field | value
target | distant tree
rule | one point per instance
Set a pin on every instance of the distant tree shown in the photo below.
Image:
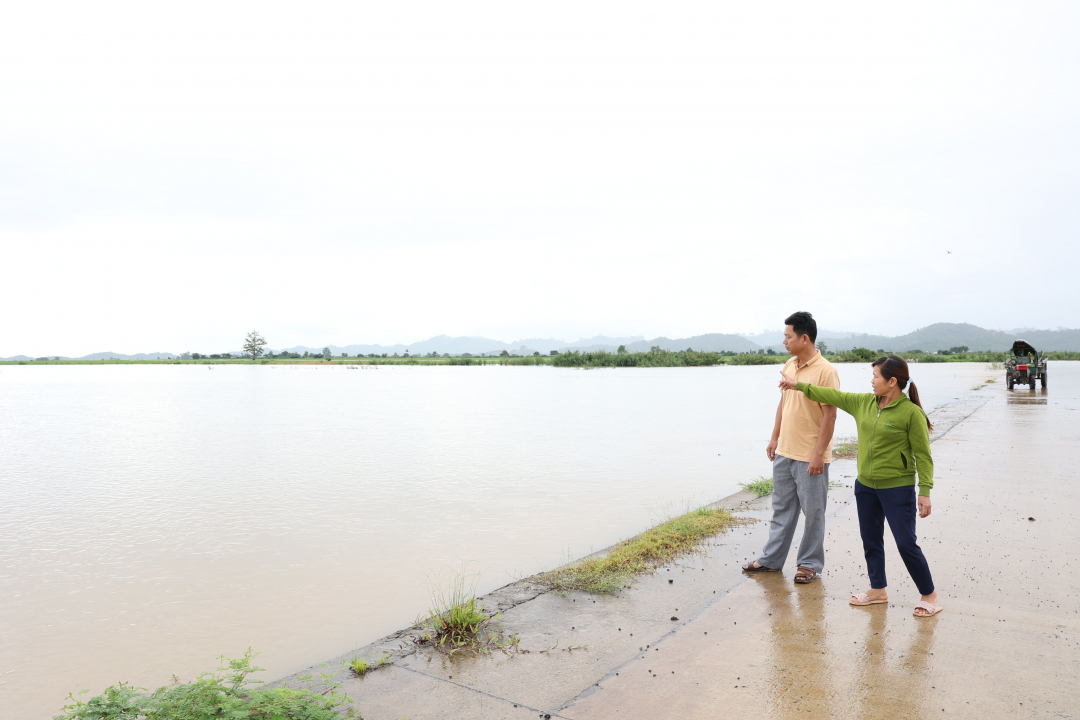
(959, 349)
(621, 350)
(254, 344)
(536, 354)
(822, 347)
(655, 349)
(506, 354)
(326, 353)
(344, 354)
(554, 352)
(197, 356)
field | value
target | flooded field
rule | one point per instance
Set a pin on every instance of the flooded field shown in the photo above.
(156, 517)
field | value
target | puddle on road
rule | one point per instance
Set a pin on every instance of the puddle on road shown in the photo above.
(1026, 397)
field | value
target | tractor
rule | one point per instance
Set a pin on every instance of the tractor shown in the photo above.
(1024, 366)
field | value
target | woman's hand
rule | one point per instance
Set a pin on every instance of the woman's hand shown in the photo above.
(924, 506)
(786, 383)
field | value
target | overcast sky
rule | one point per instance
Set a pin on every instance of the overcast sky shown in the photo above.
(173, 175)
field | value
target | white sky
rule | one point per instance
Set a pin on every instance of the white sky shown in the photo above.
(173, 175)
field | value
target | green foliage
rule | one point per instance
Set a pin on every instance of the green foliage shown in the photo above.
(359, 667)
(654, 358)
(222, 694)
(757, 359)
(641, 554)
(762, 486)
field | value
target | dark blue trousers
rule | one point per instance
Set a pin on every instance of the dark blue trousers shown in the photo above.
(899, 507)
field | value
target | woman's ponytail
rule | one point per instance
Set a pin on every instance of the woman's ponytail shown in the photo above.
(913, 395)
(894, 366)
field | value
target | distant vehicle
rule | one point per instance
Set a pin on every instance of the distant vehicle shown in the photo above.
(1024, 366)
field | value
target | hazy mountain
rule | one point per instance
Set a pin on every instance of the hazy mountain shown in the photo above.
(122, 356)
(775, 338)
(712, 342)
(942, 336)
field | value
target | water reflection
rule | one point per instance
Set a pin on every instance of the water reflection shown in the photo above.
(893, 681)
(1027, 396)
(801, 679)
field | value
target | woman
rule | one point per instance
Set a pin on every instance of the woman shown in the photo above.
(894, 444)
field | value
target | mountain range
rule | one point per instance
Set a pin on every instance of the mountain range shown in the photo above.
(939, 336)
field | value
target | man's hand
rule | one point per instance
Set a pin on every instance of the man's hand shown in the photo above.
(771, 450)
(817, 464)
(924, 506)
(786, 383)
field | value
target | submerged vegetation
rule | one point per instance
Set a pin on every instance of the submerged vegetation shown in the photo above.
(656, 357)
(226, 693)
(845, 447)
(641, 554)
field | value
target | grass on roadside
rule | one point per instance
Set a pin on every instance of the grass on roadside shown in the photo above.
(641, 554)
(762, 486)
(845, 448)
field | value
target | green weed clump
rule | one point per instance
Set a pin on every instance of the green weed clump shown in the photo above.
(359, 667)
(455, 624)
(639, 555)
(845, 448)
(762, 486)
(226, 693)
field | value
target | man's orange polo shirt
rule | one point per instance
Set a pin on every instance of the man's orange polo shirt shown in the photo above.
(801, 417)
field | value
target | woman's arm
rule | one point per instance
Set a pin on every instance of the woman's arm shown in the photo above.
(829, 396)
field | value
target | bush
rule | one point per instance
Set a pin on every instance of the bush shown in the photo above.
(222, 694)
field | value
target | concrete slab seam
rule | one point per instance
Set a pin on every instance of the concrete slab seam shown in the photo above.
(480, 692)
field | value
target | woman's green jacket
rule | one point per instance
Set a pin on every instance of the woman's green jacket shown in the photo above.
(894, 442)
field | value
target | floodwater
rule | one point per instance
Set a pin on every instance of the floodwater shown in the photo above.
(156, 517)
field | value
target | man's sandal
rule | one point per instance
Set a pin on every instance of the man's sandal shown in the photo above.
(748, 567)
(930, 608)
(805, 575)
(864, 599)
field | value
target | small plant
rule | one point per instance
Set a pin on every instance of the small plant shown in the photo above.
(358, 666)
(762, 486)
(456, 625)
(845, 448)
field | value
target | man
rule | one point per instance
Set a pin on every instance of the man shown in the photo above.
(800, 450)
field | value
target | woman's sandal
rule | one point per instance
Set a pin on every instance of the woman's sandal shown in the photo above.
(760, 568)
(930, 608)
(805, 575)
(864, 599)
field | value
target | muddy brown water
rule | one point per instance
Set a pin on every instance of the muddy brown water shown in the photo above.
(157, 517)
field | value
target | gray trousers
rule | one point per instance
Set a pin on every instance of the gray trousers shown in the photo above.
(795, 489)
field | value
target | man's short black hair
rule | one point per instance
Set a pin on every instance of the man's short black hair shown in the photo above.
(803, 323)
